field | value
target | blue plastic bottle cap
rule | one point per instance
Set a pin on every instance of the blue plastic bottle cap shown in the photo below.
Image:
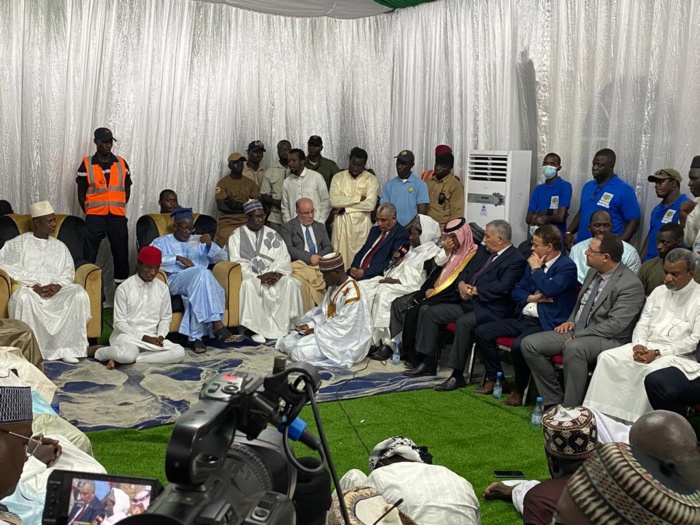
(539, 399)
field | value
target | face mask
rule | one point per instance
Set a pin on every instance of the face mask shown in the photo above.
(549, 172)
(532, 230)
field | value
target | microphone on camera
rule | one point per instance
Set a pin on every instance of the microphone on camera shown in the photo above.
(398, 255)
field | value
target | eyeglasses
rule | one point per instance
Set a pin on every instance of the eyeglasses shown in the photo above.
(595, 251)
(35, 440)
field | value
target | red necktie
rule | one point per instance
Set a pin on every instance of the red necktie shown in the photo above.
(368, 258)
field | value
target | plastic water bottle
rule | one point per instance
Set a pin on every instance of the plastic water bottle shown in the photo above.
(536, 417)
(396, 356)
(497, 388)
(55, 403)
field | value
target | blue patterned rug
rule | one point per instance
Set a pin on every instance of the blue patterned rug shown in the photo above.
(142, 396)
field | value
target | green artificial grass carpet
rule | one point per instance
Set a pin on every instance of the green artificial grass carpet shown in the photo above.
(468, 433)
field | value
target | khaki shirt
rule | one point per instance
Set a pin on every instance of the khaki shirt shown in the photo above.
(240, 190)
(272, 185)
(253, 175)
(325, 167)
(453, 205)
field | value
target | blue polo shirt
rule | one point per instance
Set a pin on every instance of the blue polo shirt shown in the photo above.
(661, 215)
(551, 196)
(406, 195)
(615, 196)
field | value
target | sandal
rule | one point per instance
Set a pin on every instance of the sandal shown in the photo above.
(224, 335)
(198, 347)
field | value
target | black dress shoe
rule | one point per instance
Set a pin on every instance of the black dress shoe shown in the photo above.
(384, 353)
(420, 371)
(452, 383)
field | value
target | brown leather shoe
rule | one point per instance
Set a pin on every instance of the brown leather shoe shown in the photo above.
(487, 389)
(514, 400)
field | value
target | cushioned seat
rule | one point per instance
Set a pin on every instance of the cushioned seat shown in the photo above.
(228, 274)
(71, 231)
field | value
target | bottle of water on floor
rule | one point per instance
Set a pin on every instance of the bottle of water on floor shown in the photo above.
(55, 404)
(396, 356)
(497, 388)
(536, 417)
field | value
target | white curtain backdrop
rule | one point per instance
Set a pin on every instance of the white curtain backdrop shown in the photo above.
(183, 83)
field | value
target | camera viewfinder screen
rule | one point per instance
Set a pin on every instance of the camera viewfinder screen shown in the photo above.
(99, 502)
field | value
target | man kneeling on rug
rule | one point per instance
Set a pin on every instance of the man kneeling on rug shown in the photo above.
(142, 315)
(339, 331)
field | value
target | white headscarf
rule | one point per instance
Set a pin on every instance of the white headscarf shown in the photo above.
(430, 234)
(430, 229)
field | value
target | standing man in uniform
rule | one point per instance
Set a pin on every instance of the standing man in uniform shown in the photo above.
(445, 191)
(104, 188)
(406, 191)
(552, 198)
(253, 167)
(315, 162)
(230, 194)
(271, 188)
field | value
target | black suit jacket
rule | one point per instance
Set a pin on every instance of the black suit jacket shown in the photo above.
(94, 510)
(293, 235)
(495, 285)
(396, 237)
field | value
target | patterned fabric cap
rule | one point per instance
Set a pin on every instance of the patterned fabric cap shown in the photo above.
(251, 206)
(365, 506)
(330, 262)
(398, 446)
(570, 433)
(181, 213)
(15, 404)
(618, 485)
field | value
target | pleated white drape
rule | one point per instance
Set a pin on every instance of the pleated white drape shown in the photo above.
(183, 83)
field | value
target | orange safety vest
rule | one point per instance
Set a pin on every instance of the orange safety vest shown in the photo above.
(427, 174)
(103, 198)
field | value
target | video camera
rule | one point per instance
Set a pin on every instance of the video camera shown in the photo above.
(224, 463)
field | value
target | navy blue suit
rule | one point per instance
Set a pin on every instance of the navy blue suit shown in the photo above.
(559, 283)
(395, 238)
(94, 510)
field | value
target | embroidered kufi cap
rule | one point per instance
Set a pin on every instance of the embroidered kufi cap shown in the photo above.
(330, 262)
(40, 209)
(181, 213)
(619, 485)
(251, 206)
(570, 433)
(15, 400)
(151, 256)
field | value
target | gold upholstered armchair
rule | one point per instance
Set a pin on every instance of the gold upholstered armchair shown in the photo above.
(228, 274)
(71, 231)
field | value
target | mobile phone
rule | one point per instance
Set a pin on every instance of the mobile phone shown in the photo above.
(508, 473)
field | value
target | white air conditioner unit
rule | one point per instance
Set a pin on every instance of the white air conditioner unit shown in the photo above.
(497, 186)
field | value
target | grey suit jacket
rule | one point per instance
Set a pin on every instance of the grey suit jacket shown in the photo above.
(293, 236)
(616, 309)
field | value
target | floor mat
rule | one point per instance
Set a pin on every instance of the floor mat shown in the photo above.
(142, 395)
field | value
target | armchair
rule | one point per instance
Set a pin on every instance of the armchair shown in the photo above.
(227, 274)
(71, 231)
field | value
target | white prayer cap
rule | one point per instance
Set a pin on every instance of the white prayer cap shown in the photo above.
(40, 209)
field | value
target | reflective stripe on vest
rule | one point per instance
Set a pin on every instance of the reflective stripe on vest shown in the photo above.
(110, 198)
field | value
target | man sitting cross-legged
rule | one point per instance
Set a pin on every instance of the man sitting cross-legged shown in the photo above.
(544, 298)
(186, 258)
(142, 314)
(668, 329)
(339, 331)
(603, 317)
(56, 309)
(270, 297)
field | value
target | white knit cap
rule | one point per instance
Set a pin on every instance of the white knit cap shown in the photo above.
(40, 209)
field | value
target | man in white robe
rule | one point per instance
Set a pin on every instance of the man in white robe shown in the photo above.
(186, 260)
(56, 309)
(142, 315)
(353, 197)
(405, 275)
(668, 329)
(339, 331)
(270, 298)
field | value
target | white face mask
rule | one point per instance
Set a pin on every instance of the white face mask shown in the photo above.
(549, 172)
(532, 230)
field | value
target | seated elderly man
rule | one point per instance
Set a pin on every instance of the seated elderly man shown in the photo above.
(400, 470)
(668, 329)
(383, 240)
(338, 332)
(606, 310)
(307, 241)
(270, 299)
(405, 274)
(55, 308)
(142, 315)
(185, 260)
(600, 223)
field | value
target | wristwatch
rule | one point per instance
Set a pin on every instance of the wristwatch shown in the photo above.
(657, 353)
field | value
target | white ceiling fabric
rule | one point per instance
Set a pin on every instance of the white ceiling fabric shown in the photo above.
(309, 8)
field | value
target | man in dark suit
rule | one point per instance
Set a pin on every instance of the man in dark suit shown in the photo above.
(87, 507)
(307, 241)
(544, 298)
(383, 240)
(604, 316)
(484, 286)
